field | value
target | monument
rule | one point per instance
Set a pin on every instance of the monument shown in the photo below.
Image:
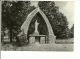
(36, 28)
(36, 38)
(41, 39)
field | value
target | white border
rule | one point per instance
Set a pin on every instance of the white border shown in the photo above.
(52, 54)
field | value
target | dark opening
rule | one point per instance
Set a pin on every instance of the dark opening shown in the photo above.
(42, 27)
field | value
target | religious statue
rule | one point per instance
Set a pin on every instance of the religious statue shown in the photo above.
(36, 26)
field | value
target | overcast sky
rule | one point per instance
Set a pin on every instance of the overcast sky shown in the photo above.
(66, 7)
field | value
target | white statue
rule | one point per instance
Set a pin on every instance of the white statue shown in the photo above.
(36, 26)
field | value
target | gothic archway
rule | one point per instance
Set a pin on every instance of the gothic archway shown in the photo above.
(26, 24)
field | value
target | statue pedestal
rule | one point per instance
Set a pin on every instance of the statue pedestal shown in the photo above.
(42, 40)
(31, 40)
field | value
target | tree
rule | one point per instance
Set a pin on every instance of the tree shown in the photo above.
(14, 14)
(57, 19)
(72, 31)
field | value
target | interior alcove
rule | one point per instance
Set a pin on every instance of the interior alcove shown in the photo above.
(42, 27)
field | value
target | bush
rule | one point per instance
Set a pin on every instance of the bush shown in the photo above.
(23, 40)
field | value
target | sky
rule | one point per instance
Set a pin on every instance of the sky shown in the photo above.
(66, 7)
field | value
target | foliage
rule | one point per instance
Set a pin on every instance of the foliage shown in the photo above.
(22, 40)
(13, 15)
(57, 19)
(72, 31)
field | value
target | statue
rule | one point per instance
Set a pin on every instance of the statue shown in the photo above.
(36, 26)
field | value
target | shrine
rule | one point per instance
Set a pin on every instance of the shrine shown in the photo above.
(36, 37)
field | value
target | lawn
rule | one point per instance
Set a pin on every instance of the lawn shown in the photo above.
(39, 47)
(60, 45)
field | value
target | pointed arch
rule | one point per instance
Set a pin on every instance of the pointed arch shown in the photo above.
(26, 24)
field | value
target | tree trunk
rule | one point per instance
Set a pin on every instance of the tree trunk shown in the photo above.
(11, 35)
(17, 39)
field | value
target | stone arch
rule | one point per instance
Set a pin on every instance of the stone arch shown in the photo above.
(26, 24)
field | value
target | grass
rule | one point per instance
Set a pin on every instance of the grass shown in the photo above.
(64, 41)
(60, 45)
(39, 47)
(48, 47)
